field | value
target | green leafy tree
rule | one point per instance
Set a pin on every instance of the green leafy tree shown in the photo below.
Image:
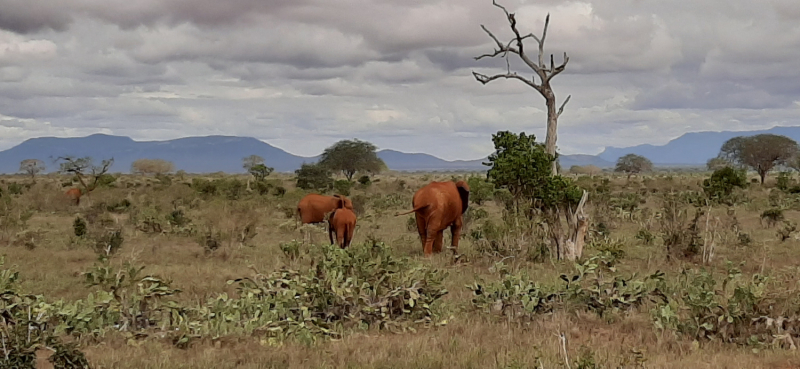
(760, 152)
(314, 177)
(251, 161)
(632, 163)
(260, 172)
(351, 156)
(523, 167)
(722, 183)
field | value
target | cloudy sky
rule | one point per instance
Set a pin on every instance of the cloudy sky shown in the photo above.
(303, 74)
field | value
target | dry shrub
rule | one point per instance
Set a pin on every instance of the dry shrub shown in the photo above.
(231, 222)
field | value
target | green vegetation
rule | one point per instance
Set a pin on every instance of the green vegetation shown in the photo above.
(150, 272)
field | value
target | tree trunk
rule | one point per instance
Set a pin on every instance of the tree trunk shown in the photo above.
(569, 246)
(552, 125)
(763, 175)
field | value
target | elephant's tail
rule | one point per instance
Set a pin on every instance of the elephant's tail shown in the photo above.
(418, 208)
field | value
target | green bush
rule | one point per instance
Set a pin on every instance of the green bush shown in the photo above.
(364, 180)
(14, 188)
(106, 180)
(361, 286)
(722, 183)
(314, 177)
(480, 190)
(783, 181)
(79, 227)
(342, 187)
(204, 186)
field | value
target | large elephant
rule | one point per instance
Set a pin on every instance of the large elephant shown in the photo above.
(312, 208)
(342, 223)
(437, 206)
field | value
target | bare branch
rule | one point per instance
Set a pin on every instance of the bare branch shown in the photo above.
(482, 78)
(561, 109)
(541, 42)
(559, 68)
(503, 49)
(494, 2)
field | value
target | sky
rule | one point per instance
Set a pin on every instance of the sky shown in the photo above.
(304, 74)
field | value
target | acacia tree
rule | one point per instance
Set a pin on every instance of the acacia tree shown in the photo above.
(351, 156)
(632, 163)
(251, 161)
(760, 152)
(81, 167)
(522, 166)
(254, 165)
(544, 73)
(152, 166)
(32, 167)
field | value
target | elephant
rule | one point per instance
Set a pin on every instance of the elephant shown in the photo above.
(312, 208)
(342, 223)
(439, 205)
(74, 194)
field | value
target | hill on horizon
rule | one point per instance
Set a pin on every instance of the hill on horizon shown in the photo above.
(694, 148)
(207, 154)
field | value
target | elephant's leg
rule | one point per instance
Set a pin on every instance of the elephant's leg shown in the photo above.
(422, 229)
(455, 229)
(340, 237)
(437, 242)
(427, 246)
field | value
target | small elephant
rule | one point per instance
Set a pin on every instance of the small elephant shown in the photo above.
(437, 206)
(312, 208)
(74, 194)
(342, 223)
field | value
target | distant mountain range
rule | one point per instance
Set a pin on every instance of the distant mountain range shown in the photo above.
(210, 154)
(224, 153)
(693, 148)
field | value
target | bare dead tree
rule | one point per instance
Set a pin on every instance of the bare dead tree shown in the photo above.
(544, 73)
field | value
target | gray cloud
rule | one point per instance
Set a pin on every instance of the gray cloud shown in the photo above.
(302, 74)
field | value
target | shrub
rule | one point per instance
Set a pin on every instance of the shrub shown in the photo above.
(314, 177)
(14, 188)
(480, 190)
(722, 183)
(772, 216)
(204, 186)
(361, 286)
(342, 187)
(79, 227)
(783, 181)
(364, 180)
(645, 236)
(263, 187)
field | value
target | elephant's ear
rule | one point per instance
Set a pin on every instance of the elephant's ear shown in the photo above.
(463, 192)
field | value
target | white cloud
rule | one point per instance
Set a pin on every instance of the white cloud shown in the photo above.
(302, 74)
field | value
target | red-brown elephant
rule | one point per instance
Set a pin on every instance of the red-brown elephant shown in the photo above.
(74, 194)
(312, 208)
(437, 206)
(342, 223)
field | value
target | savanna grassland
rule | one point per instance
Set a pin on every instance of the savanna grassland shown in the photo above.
(668, 278)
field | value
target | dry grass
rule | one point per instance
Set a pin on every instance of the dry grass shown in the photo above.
(470, 339)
